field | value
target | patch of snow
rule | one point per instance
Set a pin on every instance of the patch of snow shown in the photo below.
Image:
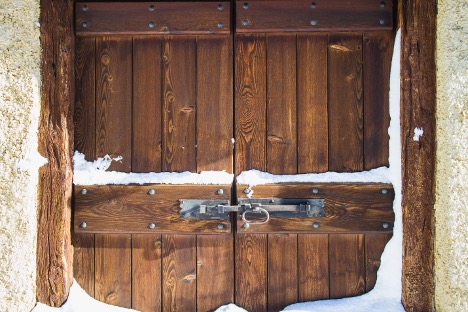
(31, 161)
(230, 308)
(418, 132)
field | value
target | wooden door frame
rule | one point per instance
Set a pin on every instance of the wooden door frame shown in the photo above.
(417, 20)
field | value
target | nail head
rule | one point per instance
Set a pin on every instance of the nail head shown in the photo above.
(245, 22)
(151, 225)
(151, 7)
(151, 25)
(151, 192)
(220, 7)
(315, 190)
(247, 191)
(85, 7)
(84, 191)
(220, 24)
(313, 5)
(84, 24)
(83, 225)
(245, 5)
(220, 226)
(384, 191)
(220, 192)
(313, 22)
(315, 225)
(385, 225)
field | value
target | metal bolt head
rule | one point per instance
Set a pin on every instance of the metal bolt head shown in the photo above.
(313, 5)
(151, 192)
(315, 225)
(220, 7)
(220, 226)
(151, 225)
(220, 192)
(245, 226)
(245, 22)
(385, 225)
(151, 8)
(84, 191)
(382, 22)
(220, 24)
(313, 22)
(315, 190)
(84, 24)
(151, 25)
(83, 225)
(84, 7)
(384, 191)
(245, 5)
(246, 190)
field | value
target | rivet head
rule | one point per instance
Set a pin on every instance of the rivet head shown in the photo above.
(84, 7)
(151, 8)
(245, 226)
(220, 24)
(382, 22)
(384, 191)
(151, 225)
(315, 190)
(151, 192)
(313, 5)
(220, 192)
(247, 190)
(315, 225)
(220, 226)
(382, 4)
(84, 191)
(245, 5)
(220, 7)
(84, 24)
(151, 25)
(385, 225)
(83, 225)
(313, 22)
(245, 22)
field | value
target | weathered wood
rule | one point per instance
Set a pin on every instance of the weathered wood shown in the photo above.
(55, 141)
(345, 102)
(301, 15)
(250, 110)
(83, 261)
(133, 18)
(374, 245)
(214, 104)
(418, 104)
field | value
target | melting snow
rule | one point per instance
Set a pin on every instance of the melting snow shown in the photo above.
(418, 132)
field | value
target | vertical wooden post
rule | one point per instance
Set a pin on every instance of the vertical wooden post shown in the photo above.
(55, 134)
(418, 74)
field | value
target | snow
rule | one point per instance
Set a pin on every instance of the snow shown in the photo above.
(418, 132)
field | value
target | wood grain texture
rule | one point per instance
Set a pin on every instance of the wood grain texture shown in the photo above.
(215, 271)
(83, 261)
(281, 107)
(347, 267)
(313, 267)
(250, 105)
(282, 271)
(147, 106)
(251, 271)
(312, 106)
(377, 57)
(179, 104)
(85, 92)
(114, 100)
(214, 104)
(374, 246)
(345, 102)
(179, 282)
(113, 269)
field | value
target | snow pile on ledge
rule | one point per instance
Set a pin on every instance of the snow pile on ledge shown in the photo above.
(94, 173)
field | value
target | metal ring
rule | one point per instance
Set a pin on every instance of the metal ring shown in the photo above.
(256, 209)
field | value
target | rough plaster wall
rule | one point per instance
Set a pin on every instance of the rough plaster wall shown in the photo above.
(19, 113)
(451, 259)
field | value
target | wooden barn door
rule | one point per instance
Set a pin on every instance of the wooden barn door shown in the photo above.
(300, 87)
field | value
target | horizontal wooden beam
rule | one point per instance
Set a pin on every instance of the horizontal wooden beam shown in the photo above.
(152, 18)
(310, 15)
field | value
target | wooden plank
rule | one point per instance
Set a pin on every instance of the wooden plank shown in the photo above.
(312, 106)
(214, 104)
(374, 244)
(179, 273)
(282, 271)
(179, 104)
(347, 267)
(146, 272)
(113, 269)
(83, 261)
(135, 18)
(251, 271)
(114, 100)
(281, 107)
(250, 97)
(377, 56)
(85, 109)
(345, 102)
(215, 271)
(131, 209)
(303, 15)
(147, 79)
(313, 267)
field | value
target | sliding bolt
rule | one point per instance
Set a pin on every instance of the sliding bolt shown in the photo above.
(220, 192)
(151, 225)
(315, 225)
(151, 192)
(83, 225)
(84, 191)
(315, 190)
(385, 225)
(247, 191)
(384, 191)
(220, 226)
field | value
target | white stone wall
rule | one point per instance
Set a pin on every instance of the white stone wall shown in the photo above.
(451, 244)
(19, 112)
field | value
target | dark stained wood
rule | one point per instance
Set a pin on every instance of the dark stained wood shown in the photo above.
(347, 267)
(418, 102)
(147, 79)
(85, 109)
(215, 271)
(250, 107)
(179, 104)
(375, 244)
(55, 142)
(296, 16)
(146, 272)
(83, 261)
(130, 209)
(214, 104)
(345, 102)
(377, 56)
(133, 18)
(312, 107)
(113, 269)
(251, 271)
(313, 267)
(282, 271)
(114, 100)
(179, 272)
(281, 107)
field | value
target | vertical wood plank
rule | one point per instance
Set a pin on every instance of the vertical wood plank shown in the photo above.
(347, 268)
(281, 105)
(113, 269)
(85, 109)
(345, 102)
(214, 103)
(282, 271)
(312, 106)
(215, 271)
(250, 110)
(377, 56)
(146, 272)
(114, 100)
(313, 267)
(375, 245)
(179, 104)
(146, 132)
(251, 271)
(83, 261)
(179, 273)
